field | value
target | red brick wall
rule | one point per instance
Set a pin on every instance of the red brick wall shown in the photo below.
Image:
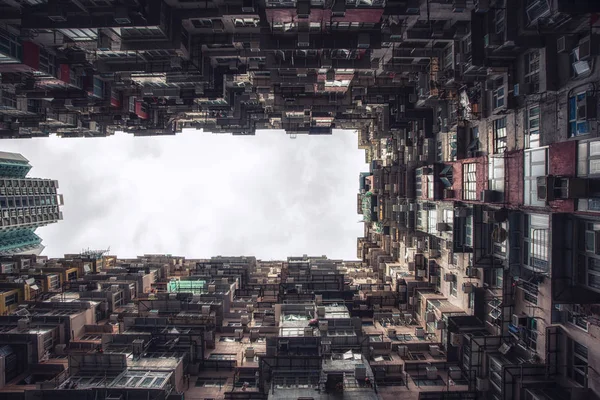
(513, 171)
(562, 161)
(457, 175)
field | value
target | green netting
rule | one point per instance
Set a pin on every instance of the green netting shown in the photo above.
(176, 286)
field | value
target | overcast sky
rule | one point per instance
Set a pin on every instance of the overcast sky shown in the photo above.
(200, 195)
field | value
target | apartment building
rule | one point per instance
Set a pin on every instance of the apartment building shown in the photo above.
(26, 204)
(488, 212)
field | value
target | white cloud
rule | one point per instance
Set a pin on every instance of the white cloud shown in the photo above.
(199, 194)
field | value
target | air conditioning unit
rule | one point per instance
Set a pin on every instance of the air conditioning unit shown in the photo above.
(587, 107)
(364, 41)
(430, 316)
(489, 196)
(419, 332)
(432, 372)
(519, 320)
(481, 6)
(303, 39)
(411, 266)
(471, 272)
(249, 353)
(441, 324)
(448, 193)
(491, 40)
(59, 349)
(468, 287)
(592, 241)
(238, 333)
(455, 339)
(443, 227)
(460, 212)
(483, 384)
(564, 44)
(449, 277)
(494, 216)
(391, 332)
(588, 47)
(542, 188)
(205, 310)
(434, 280)
(402, 351)
(434, 350)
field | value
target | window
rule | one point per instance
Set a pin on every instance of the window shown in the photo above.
(500, 135)
(228, 357)
(535, 166)
(468, 233)
(470, 181)
(498, 97)
(588, 158)
(454, 288)
(532, 126)
(246, 22)
(47, 62)
(535, 238)
(418, 182)
(499, 21)
(536, 9)
(496, 173)
(202, 23)
(440, 151)
(574, 315)
(10, 299)
(211, 382)
(449, 57)
(472, 301)
(578, 123)
(530, 292)
(531, 334)
(532, 70)
(578, 362)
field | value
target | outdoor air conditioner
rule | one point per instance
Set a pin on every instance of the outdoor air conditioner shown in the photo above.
(430, 316)
(443, 227)
(431, 372)
(483, 384)
(471, 272)
(441, 324)
(592, 241)
(448, 193)
(434, 280)
(249, 353)
(494, 216)
(468, 287)
(239, 333)
(419, 332)
(303, 39)
(460, 212)
(364, 41)
(542, 187)
(449, 277)
(455, 339)
(481, 6)
(489, 196)
(434, 350)
(59, 349)
(519, 320)
(402, 351)
(420, 273)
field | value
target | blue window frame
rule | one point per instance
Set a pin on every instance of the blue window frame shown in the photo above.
(578, 124)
